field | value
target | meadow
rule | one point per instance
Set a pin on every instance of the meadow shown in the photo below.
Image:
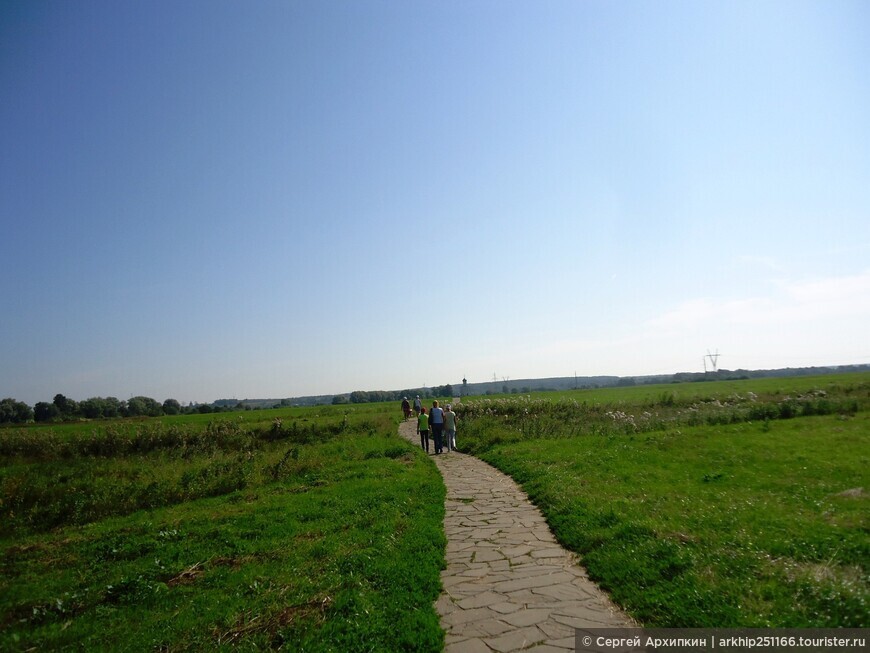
(318, 529)
(738, 503)
(301, 529)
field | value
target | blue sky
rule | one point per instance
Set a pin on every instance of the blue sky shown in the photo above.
(206, 200)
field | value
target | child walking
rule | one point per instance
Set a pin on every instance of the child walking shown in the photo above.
(423, 429)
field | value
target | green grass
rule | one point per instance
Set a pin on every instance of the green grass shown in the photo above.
(318, 529)
(326, 539)
(733, 522)
(248, 420)
(53, 481)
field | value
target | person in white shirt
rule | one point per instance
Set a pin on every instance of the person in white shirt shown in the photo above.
(450, 421)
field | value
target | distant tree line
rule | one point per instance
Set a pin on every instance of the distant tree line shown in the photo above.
(62, 409)
(372, 396)
(14, 412)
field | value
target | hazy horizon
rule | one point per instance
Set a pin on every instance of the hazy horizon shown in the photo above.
(457, 385)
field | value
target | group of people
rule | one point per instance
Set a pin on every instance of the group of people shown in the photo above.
(440, 422)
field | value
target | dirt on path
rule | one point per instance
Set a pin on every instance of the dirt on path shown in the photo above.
(508, 586)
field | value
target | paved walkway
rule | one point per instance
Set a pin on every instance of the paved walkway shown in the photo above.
(508, 585)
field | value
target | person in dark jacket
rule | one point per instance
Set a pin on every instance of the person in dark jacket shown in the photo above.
(436, 425)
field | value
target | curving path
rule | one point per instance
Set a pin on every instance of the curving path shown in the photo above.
(508, 585)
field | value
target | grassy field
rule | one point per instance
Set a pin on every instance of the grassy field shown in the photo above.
(708, 504)
(318, 529)
(305, 529)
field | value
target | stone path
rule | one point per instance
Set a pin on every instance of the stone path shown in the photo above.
(508, 585)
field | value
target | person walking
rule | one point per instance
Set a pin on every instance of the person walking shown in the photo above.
(436, 424)
(450, 421)
(423, 429)
(418, 406)
(406, 407)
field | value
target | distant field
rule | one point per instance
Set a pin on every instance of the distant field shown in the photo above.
(720, 504)
(315, 527)
(248, 418)
(841, 385)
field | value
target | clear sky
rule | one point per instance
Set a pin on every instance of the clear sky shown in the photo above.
(214, 199)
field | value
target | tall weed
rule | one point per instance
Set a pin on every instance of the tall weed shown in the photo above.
(119, 470)
(537, 418)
